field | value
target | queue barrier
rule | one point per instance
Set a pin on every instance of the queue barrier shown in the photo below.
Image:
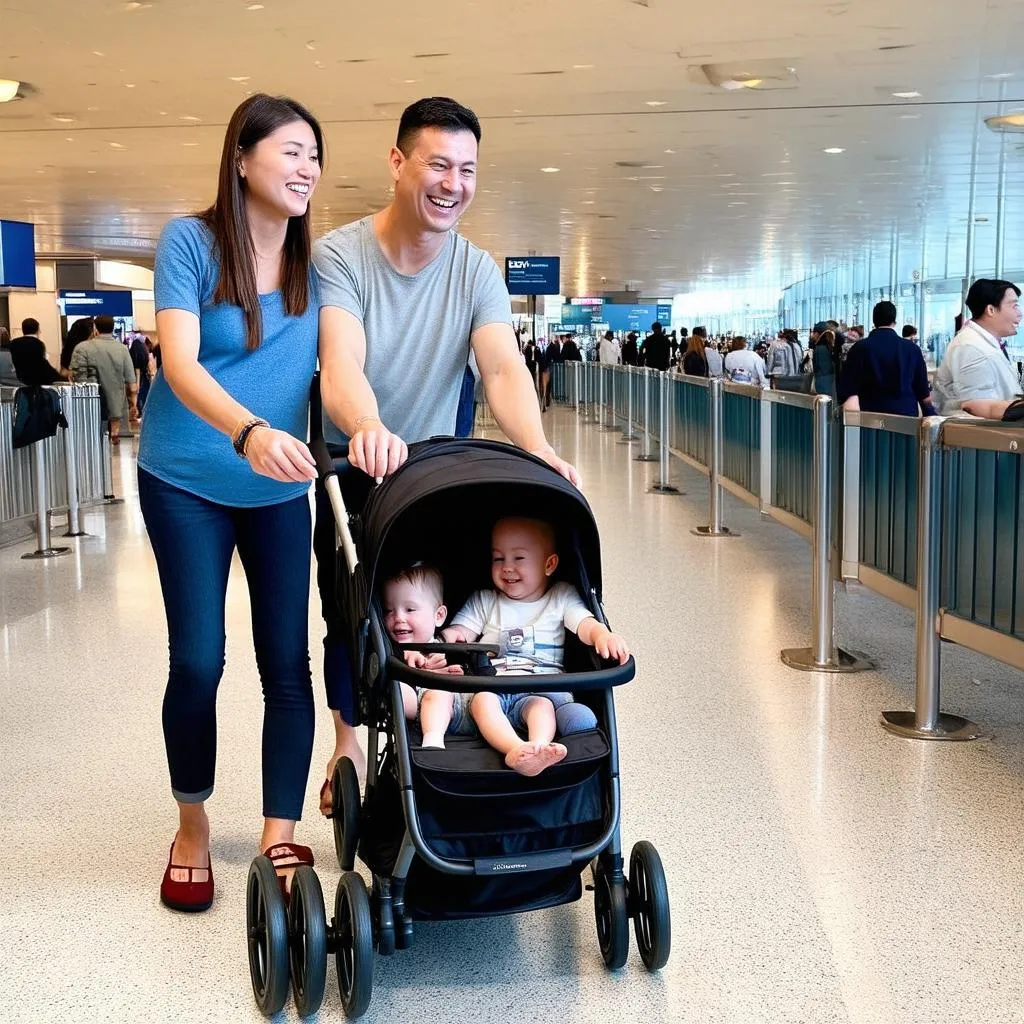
(928, 513)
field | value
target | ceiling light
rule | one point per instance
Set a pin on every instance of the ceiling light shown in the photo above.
(670, 151)
(239, 78)
(189, 117)
(63, 118)
(835, 149)
(8, 89)
(1006, 123)
(98, 53)
(582, 67)
(255, 7)
(551, 170)
(129, 85)
(116, 145)
(910, 95)
(656, 103)
(1000, 76)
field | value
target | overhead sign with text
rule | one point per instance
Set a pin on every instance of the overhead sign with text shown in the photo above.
(620, 317)
(533, 275)
(17, 254)
(95, 303)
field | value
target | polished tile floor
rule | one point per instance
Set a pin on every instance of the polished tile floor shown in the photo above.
(820, 869)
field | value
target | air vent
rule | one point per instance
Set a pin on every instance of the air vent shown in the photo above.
(427, 56)
(347, 188)
(630, 164)
(541, 73)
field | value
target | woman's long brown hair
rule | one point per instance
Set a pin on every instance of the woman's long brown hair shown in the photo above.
(256, 118)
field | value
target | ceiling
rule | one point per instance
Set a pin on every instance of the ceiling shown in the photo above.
(663, 183)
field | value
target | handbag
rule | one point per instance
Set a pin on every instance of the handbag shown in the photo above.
(37, 415)
(1014, 412)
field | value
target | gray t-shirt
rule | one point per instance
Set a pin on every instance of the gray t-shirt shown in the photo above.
(417, 328)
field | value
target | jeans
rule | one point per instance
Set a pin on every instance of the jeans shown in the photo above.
(194, 540)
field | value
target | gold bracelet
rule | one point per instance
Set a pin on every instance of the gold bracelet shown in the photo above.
(365, 419)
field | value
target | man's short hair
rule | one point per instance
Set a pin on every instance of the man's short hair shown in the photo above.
(30, 325)
(884, 314)
(104, 324)
(608, 336)
(985, 292)
(422, 575)
(701, 332)
(909, 330)
(435, 112)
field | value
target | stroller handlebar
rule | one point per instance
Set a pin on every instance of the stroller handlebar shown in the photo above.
(329, 479)
(599, 679)
(322, 458)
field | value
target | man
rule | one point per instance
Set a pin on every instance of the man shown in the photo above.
(630, 353)
(743, 366)
(910, 333)
(977, 363)
(382, 278)
(570, 350)
(608, 351)
(105, 360)
(884, 372)
(28, 353)
(656, 348)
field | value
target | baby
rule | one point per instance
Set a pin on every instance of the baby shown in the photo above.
(526, 619)
(413, 610)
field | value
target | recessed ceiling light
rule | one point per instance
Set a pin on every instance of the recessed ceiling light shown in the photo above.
(835, 149)
(255, 7)
(551, 170)
(137, 5)
(190, 143)
(129, 85)
(8, 89)
(656, 103)
(116, 145)
(1001, 75)
(239, 78)
(582, 67)
(909, 95)
(189, 117)
(410, 81)
(63, 118)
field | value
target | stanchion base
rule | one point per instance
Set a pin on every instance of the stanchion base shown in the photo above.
(659, 488)
(706, 531)
(81, 533)
(111, 500)
(48, 553)
(610, 428)
(629, 438)
(647, 458)
(802, 658)
(952, 728)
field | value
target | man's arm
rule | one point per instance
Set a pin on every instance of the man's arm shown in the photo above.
(510, 394)
(348, 398)
(974, 375)
(922, 390)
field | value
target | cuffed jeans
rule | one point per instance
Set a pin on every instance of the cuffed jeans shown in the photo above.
(193, 540)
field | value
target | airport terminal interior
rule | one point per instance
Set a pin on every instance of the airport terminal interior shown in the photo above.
(807, 805)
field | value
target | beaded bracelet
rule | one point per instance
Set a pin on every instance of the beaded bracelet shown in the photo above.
(242, 439)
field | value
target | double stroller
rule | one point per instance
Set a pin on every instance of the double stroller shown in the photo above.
(454, 833)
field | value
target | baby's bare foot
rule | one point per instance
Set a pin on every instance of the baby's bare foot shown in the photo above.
(533, 758)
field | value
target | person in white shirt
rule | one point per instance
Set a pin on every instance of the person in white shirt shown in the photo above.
(743, 366)
(526, 619)
(977, 364)
(609, 350)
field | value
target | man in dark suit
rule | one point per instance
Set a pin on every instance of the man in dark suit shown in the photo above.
(630, 353)
(29, 356)
(656, 348)
(571, 351)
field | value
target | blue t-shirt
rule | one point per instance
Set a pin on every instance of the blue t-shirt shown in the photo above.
(272, 382)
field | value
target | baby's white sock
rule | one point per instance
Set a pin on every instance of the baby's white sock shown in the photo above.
(434, 739)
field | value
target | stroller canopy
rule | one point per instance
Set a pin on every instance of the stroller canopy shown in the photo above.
(440, 507)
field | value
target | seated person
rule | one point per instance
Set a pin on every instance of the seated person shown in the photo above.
(413, 610)
(526, 619)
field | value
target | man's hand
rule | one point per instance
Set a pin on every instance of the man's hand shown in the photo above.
(560, 466)
(275, 453)
(376, 451)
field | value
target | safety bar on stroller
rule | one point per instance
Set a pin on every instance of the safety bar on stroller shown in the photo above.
(599, 679)
(329, 475)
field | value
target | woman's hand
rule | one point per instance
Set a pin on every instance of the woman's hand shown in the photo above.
(275, 453)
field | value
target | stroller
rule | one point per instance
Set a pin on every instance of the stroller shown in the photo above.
(454, 833)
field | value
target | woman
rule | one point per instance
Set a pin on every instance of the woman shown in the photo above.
(695, 362)
(825, 358)
(221, 467)
(8, 378)
(79, 331)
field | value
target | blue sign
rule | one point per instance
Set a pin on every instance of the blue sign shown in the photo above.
(533, 275)
(17, 254)
(74, 303)
(629, 318)
(665, 315)
(582, 315)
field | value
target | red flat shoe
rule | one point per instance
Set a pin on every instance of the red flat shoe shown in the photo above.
(189, 897)
(287, 857)
(325, 794)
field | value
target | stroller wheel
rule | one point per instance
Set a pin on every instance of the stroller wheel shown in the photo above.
(307, 933)
(345, 805)
(266, 922)
(612, 917)
(652, 920)
(353, 956)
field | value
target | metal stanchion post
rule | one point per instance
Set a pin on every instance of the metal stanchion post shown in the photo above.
(44, 549)
(577, 377)
(628, 437)
(646, 455)
(715, 527)
(926, 721)
(823, 655)
(662, 486)
(609, 416)
(71, 458)
(108, 471)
